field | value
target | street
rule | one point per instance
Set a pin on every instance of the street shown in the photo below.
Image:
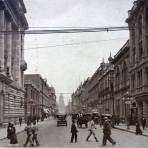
(52, 136)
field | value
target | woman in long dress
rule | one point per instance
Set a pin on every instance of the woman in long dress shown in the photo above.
(13, 137)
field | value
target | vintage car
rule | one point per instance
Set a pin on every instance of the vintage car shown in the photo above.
(61, 119)
(84, 119)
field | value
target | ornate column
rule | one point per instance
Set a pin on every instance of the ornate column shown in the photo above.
(16, 59)
(2, 43)
(9, 49)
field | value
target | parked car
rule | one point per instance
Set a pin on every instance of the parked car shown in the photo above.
(61, 119)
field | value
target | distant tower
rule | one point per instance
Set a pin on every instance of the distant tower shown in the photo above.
(61, 104)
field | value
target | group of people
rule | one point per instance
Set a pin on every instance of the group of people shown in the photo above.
(31, 131)
(91, 129)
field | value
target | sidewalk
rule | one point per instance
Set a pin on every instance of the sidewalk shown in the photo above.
(131, 129)
(19, 129)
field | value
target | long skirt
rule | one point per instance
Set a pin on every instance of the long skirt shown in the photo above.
(13, 139)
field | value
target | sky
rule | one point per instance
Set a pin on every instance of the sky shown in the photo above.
(65, 66)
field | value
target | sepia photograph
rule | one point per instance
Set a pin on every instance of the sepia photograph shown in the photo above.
(74, 73)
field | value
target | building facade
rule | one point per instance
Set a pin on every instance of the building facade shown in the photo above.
(138, 40)
(47, 98)
(121, 84)
(31, 104)
(12, 65)
(61, 105)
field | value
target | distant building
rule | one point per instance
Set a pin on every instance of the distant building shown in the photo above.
(61, 106)
(68, 108)
(12, 65)
(45, 102)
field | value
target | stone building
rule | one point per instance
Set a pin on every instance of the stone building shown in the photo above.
(122, 102)
(31, 104)
(47, 99)
(93, 86)
(12, 65)
(91, 94)
(105, 90)
(61, 105)
(138, 23)
(77, 100)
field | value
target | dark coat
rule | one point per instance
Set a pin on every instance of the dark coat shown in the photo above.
(13, 138)
(8, 131)
(73, 128)
(107, 128)
(138, 130)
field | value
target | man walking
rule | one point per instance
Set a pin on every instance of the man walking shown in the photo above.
(91, 128)
(143, 123)
(20, 120)
(28, 130)
(107, 133)
(73, 131)
(34, 132)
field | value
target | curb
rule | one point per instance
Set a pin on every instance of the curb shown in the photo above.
(146, 135)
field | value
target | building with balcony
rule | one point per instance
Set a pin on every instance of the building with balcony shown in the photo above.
(13, 23)
(45, 102)
(138, 42)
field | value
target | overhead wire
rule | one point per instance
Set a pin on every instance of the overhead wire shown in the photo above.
(69, 30)
(69, 44)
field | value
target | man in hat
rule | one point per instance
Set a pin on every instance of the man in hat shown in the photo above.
(91, 128)
(107, 132)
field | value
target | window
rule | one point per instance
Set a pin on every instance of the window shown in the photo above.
(124, 72)
(139, 78)
(134, 55)
(146, 16)
(140, 27)
(117, 76)
(140, 50)
(133, 81)
(147, 44)
(146, 74)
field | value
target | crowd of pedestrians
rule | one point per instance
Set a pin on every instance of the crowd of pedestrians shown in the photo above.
(31, 133)
(92, 131)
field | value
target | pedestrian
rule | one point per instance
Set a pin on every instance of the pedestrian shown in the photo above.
(91, 129)
(74, 131)
(138, 130)
(20, 120)
(8, 130)
(34, 132)
(107, 133)
(28, 130)
(13, 137)
(143, 123)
